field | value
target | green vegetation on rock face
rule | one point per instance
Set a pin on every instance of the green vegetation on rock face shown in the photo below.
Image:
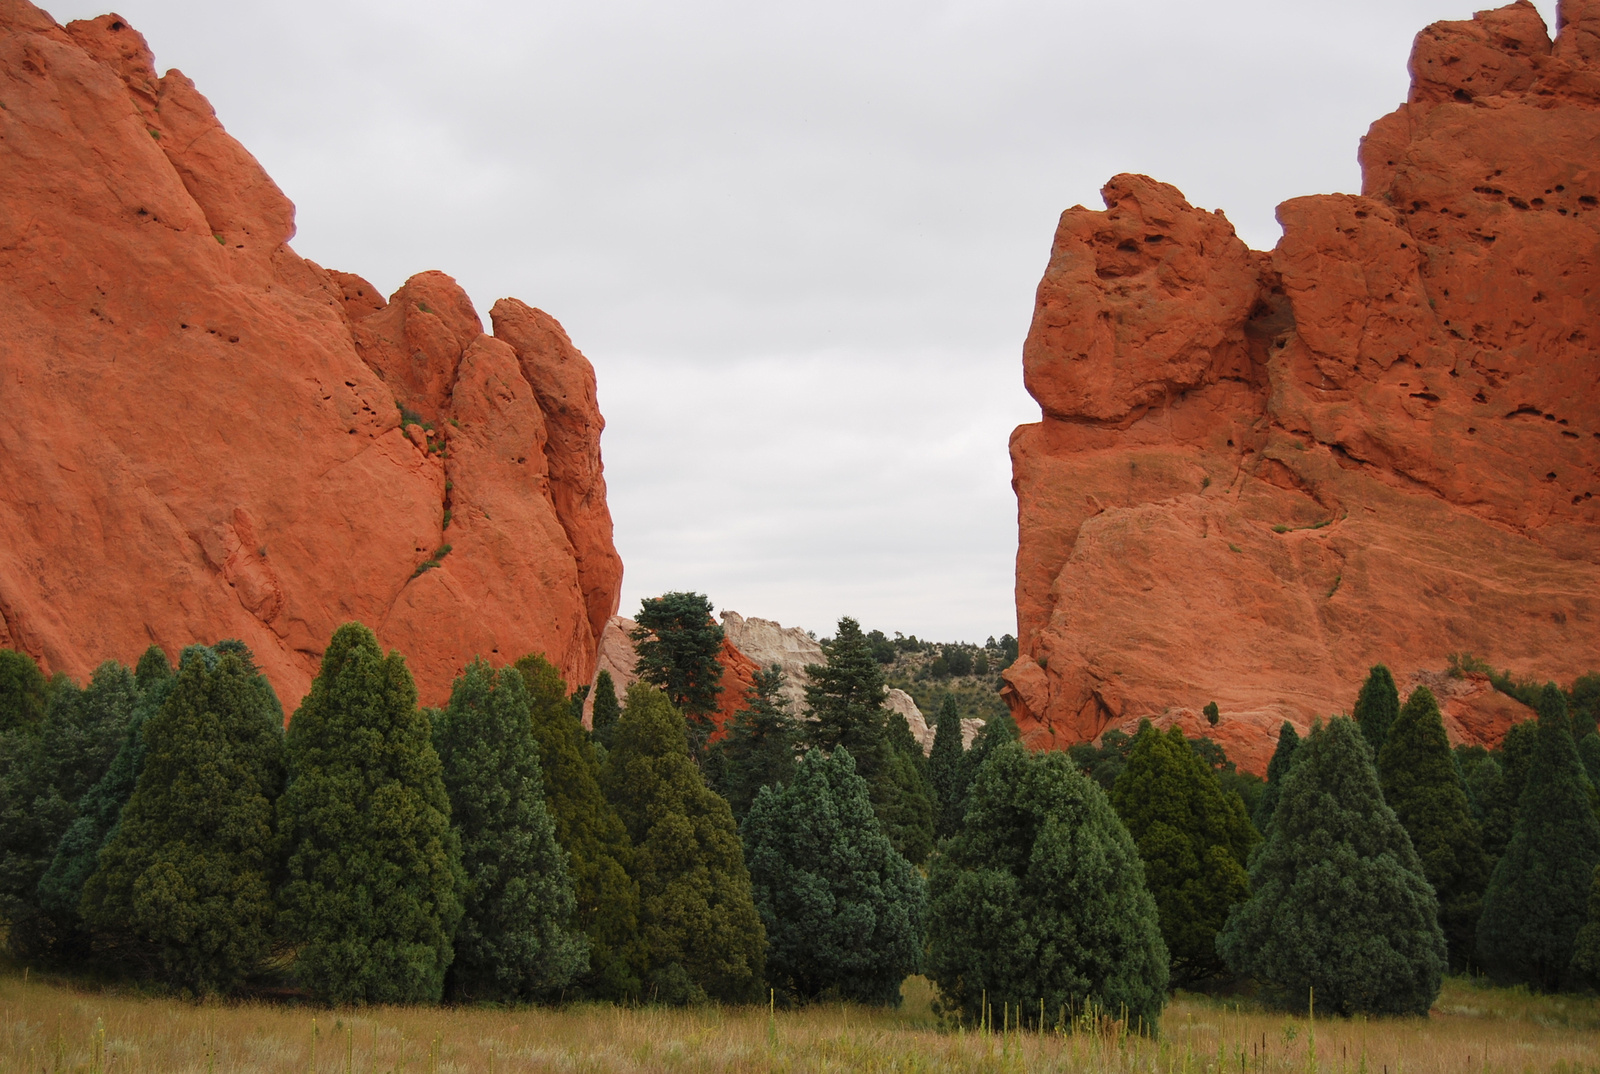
(1041, 897)
(697, 920)
(843, 910)
(1194, 840)
(1339, 902)
(589, 830)
(1422, 784)
(373, 867)
(516, 940)
(1538, 897)
(1377, 707)
(759, 750)
(185, 884)
(677, 643)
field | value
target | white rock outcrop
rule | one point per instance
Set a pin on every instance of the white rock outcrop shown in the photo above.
(767, 642)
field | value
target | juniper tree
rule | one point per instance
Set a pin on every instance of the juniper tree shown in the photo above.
(1497, 790)
(696, 917)
(1377, 706)
(677, 643)
(760, 747)
(904, 805)
(603, 715)
(1589, 754)
(22, 692)
(994, 734)
(843, 910)
(1277, 768)
(1194, 842)
(1585, 968)
(1538, 896)
(515, 941)
(77, 855)
(1339, 901)
(184, 889)
(44, 772)
(373, 869)
(1422, 785)
(590, 831)
(1040, 899)
(945, 763)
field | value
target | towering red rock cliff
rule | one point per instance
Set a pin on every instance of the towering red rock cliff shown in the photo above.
(202, 431)
(1256, 474)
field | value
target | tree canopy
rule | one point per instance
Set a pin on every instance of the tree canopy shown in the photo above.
(1377, 706)
(677, 642)
(759, 750)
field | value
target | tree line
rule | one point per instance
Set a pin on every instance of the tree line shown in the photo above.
(161, 823)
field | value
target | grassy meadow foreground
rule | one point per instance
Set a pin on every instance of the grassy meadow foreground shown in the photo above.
(54, 1027)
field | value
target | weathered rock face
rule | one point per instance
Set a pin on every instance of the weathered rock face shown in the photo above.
(767, 642)
(1257, 474)
(203, 435)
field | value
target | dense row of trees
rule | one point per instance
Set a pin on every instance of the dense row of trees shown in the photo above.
(160, 822)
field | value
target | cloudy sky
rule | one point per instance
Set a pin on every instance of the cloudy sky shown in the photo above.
(798, 241)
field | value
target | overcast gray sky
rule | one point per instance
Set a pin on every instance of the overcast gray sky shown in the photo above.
(798, 241)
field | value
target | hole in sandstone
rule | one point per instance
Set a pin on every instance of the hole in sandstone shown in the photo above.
(1462, 96)
(1127, 246)
(1517, 203)
(1154, 238)
(1551, 476)
(1549, 417)
(1569, 432)
(1361, 214)
(1561, 421)
(1587, 199)
(114, 27)
(1428, 396)
(1472, 429)
(1230, 442)
(1559, 188)
(1538, 203)
(1480, 398)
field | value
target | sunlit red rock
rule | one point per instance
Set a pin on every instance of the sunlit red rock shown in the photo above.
(203, 435)
(1258, 474)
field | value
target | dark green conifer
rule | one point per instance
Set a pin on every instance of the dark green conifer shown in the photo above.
(903, 802)
(1194, 841)
(1499, 790)
(515, 941)
(1041, 897)
(994, 734)
(842, 908)
(1377, 706)
(759, 749)
(1585, 969)
(696, 916)
(607, 709)
(1538, 896)
(945, 769)
(1339, 902)
(1589, 754)
(153, 668)
(1277, 768)
(184, 890)
(590, 831)
(371, 897)
(44, 771)
(678, 642)
(22, 692)
(1422, 785)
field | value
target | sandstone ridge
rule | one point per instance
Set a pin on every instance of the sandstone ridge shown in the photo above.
(208, 436)
(1257, 474)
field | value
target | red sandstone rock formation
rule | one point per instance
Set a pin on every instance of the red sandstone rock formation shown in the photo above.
(202, 435)
(1256, 474)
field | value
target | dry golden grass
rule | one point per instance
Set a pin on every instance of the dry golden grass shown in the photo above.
(51, 1027)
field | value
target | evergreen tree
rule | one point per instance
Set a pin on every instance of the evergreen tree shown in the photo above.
(843, 910)
(44, 772)
(184, 886)
(606, 711)
(373, 867)
(1194, 842)
(996, 733)
(845, 698)
(1585, 968)
(590, 831)
(22, 692)
(696, 915)
(1277, 768)
(1340, 903)
(1422, 785)
(1538, 896)
(1102, 763)
(759, 749)
(1498, 789)
(515, 941)
(903, 802)
(1041, 897)
(677, 642)
(945, 769)
(1589, 754)
(1377, 707)
(77, 855)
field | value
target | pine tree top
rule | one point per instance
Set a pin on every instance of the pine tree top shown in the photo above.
(1377, 706)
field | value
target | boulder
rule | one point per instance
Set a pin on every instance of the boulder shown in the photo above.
(1257, 474)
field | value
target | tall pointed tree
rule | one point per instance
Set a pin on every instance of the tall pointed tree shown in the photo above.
(590, 831)
(1339, 902)
(516, 941)
(945, 763)
(1277, 768)
(842, 908)
(760, 748)
(696, 914)
(1422, 785)
(1377, 706)
(373, 871)
(185, 884)
(1501, 789)
(607, 709)
(1539, 894)
(1194, 841)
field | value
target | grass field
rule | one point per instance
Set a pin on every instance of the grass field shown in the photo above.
(53, 1027)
